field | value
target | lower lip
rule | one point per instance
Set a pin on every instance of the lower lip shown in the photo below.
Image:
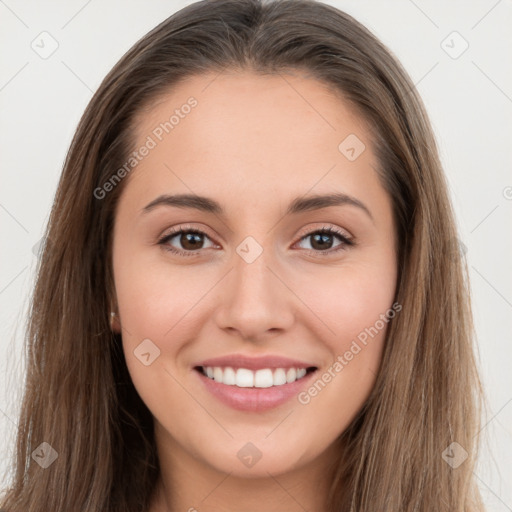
(254, 399)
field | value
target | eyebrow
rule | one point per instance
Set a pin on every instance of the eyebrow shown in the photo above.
(298, 205)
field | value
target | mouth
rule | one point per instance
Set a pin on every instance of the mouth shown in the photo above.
(261, 378)
(254, 384)
(246, 378)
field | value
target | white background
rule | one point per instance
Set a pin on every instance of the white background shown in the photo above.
(469, 100)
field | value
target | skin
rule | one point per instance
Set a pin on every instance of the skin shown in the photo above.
(253, 143)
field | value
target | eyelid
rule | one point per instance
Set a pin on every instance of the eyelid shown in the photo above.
(187, 227)
(325, 226)
(304, 232)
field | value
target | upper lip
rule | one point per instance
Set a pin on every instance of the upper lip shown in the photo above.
(255, 363)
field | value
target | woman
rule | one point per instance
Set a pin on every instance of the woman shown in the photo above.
(187, 350)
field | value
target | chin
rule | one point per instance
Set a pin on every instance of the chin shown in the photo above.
(254, 460)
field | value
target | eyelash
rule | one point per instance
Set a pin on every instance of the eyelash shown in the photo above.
(329, 230)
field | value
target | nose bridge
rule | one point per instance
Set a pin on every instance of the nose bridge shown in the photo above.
(254, 300)
(253, 280)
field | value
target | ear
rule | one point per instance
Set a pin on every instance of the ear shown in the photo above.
(115, 322)
(113, 313)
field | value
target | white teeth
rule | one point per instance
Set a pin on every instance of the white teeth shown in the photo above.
(244, 378)
(229, 377)
(279, 377)
(263, 379)
(217, 374)
(291, 375)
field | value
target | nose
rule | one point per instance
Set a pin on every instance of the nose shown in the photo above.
(255, 302)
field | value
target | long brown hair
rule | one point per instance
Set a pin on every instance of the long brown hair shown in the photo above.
(79, 397)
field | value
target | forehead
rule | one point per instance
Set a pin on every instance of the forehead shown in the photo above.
(251, 108)
(246, 136)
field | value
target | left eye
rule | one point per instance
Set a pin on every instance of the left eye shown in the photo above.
(322, 237)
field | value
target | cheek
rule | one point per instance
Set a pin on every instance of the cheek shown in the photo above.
(160, 303)
(350, 300)
(354, 305)
(359, 315)
(152, 296)
(153, 310)
(357, 306)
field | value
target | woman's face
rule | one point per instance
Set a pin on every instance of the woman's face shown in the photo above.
(258, 295)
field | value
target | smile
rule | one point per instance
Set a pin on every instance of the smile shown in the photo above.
(246, 378)
(257, 390)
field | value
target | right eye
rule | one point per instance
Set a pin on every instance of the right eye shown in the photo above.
(190, 240)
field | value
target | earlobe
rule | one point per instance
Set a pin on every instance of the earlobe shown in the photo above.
(115, 325)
